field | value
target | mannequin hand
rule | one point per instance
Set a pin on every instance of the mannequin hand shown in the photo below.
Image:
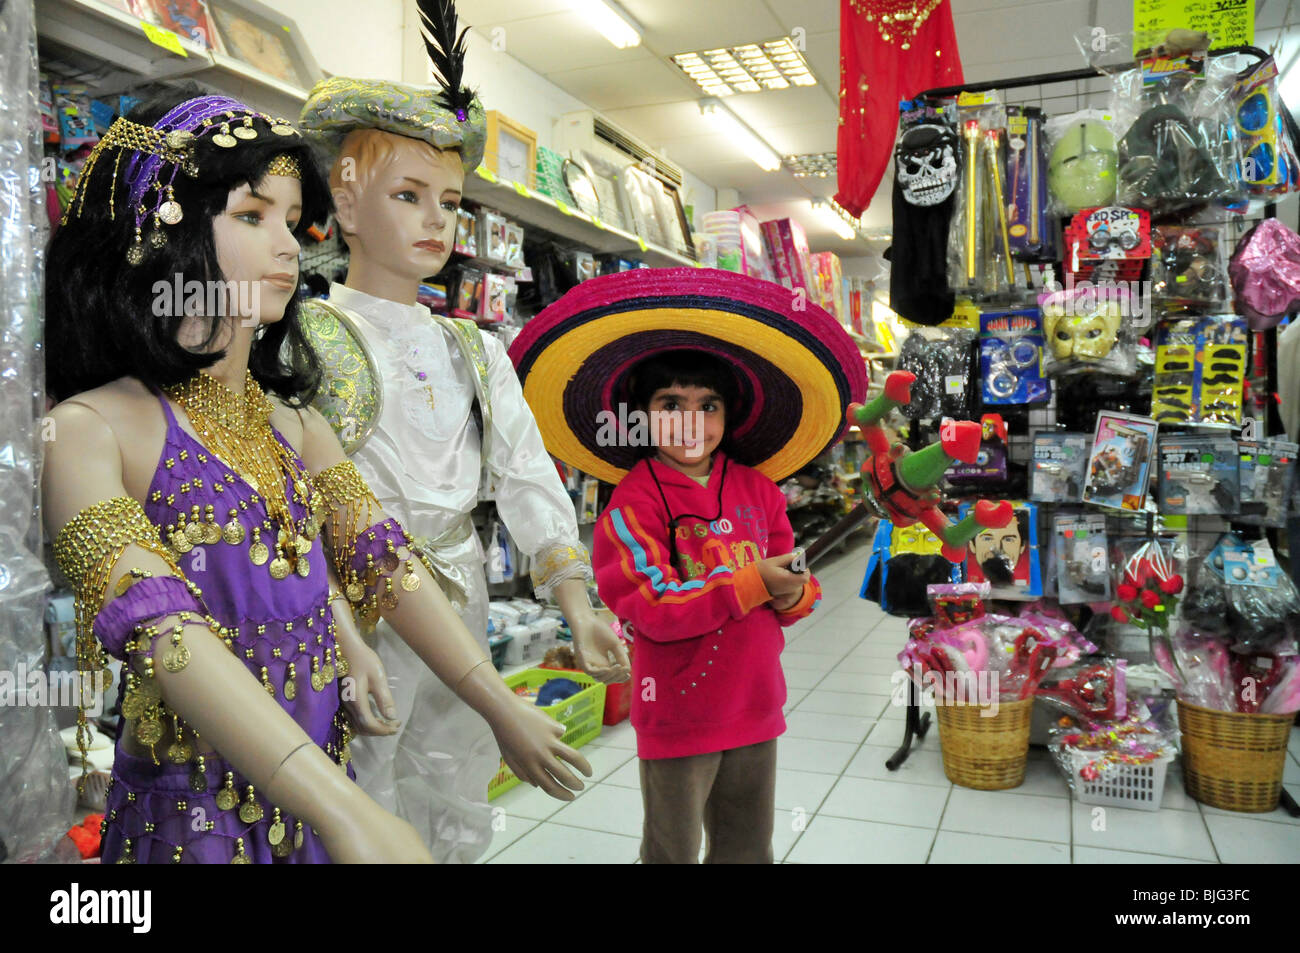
(530, 745)
(529, 738)
(600, 652)
(367, 678)
(367, 834)
(778, 578)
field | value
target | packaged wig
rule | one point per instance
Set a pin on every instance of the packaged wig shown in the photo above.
(119, 243)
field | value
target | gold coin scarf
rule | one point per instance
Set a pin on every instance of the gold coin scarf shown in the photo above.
(237, 429)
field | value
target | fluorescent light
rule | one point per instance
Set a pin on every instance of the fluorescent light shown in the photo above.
(829, 218)
(726, 122)
(608, 17)
(748, 68)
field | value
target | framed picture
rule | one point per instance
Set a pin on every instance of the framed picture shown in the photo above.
(604, 175)
(581, 187)
(258, 41)
(511, 149)
(641, 189)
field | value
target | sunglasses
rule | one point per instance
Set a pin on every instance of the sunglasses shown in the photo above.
(1254, 112)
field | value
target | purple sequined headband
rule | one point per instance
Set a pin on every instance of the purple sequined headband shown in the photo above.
(158, 151)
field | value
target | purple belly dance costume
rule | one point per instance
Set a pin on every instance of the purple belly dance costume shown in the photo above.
(196, 808)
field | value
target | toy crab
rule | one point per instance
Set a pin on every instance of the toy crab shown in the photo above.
(903, 487)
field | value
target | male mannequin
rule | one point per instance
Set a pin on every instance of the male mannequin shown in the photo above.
(400, 156)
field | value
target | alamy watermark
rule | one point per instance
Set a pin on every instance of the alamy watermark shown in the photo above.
(640, 428)
(1130, 299)
(239, 299)
(948, 688)
(38, 688)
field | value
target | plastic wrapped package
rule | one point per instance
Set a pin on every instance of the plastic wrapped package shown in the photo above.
(1088, 754)
(1179, 150)
(942, 361)
(1265, 271)
(1149, 577)
(1268, 160)
(1082, 160)
(1189, 269)
(980, 260)
(1242, 594)
(1089, 329)
(36, 796)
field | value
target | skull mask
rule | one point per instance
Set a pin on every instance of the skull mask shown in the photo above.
(926, 164)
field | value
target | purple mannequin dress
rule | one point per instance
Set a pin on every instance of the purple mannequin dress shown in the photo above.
(169, 812)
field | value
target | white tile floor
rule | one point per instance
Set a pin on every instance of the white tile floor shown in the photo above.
(838, 803)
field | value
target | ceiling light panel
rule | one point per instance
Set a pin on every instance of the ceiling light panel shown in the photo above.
(819, 164)
(749, 68)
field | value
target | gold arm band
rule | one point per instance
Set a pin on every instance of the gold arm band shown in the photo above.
(102, 530)
(340, 485)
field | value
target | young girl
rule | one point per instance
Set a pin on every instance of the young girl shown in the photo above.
(693, 552)
(186, 507)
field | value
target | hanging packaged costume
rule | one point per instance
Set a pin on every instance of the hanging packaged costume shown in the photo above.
(926, 169)
(430, 410)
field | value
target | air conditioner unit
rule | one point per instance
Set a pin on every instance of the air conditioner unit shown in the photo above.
(586, 132)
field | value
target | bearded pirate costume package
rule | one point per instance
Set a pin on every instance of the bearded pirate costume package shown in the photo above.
(430, 410)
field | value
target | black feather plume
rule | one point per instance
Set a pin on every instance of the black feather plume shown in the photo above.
(446, 52)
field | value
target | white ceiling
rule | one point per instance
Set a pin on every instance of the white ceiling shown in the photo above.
(641, 91)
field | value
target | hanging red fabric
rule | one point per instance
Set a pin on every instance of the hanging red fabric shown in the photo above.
(889, 50)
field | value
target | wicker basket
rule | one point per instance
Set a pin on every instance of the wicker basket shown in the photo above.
(1233, 760)
(985, 752)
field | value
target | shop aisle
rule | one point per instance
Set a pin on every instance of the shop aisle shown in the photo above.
(837, 803)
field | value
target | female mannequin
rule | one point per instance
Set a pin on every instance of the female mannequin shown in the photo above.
(188, 522)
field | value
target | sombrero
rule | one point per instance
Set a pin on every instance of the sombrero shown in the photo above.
(796, 369)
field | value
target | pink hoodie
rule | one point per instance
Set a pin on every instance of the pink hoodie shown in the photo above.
(707, 670)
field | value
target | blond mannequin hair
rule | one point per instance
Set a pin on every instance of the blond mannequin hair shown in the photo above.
(367, 152)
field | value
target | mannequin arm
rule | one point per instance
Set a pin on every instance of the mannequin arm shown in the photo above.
(600, 652)
(425, 621)
(365, 676)
(216, 694)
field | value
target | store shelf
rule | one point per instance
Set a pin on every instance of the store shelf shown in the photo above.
(111, 53)
(531, 208)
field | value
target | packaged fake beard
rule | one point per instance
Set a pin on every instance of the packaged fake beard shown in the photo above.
(904, 561)
(1007, 558)
(1119, 467)
(1198, 475)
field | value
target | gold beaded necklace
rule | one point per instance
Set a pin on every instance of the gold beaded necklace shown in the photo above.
(238, 430)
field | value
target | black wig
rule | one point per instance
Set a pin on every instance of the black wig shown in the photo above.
(100, 323)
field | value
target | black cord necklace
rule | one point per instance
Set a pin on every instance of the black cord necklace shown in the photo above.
(674, 520)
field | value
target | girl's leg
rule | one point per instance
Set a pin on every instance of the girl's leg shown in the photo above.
(674, 792)
(741, 809)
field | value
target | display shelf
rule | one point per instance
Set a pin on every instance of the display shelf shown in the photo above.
(112, 54)
(530, 208)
